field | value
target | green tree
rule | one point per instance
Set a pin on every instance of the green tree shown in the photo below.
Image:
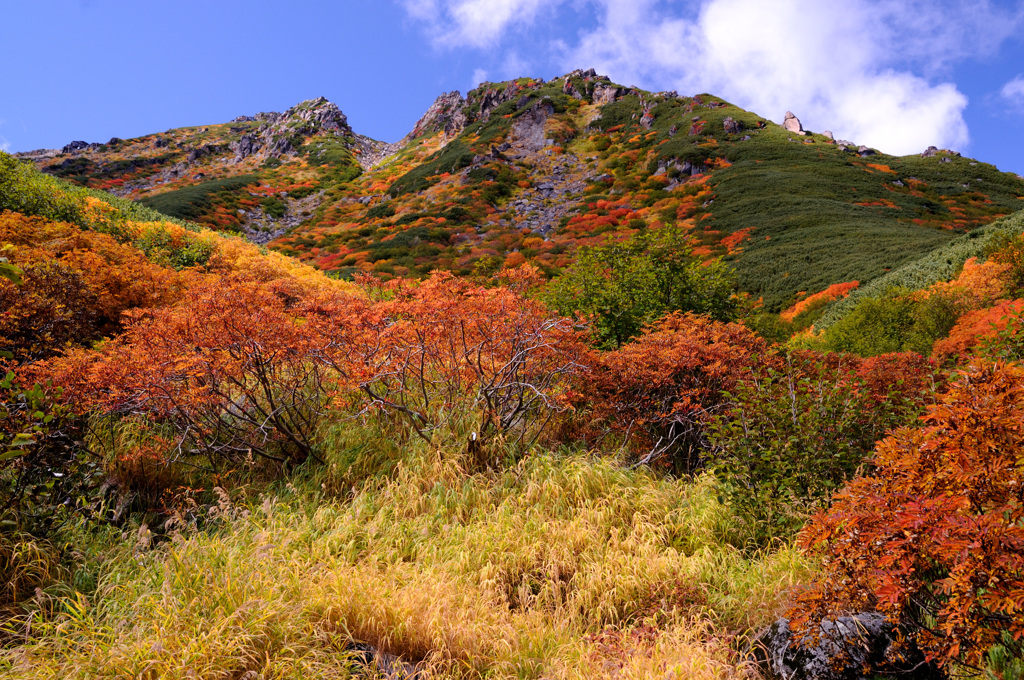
(629, 284)
(894, 322)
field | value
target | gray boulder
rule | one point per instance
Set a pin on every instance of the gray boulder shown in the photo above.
(856, 647)
(605, 94)
(792, 124)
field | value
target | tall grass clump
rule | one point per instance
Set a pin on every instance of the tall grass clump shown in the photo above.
(561, 566)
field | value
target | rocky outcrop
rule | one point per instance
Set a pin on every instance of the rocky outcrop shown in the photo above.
(75, 146)
(828, 133)
(792, 124)
(245, 147)
(570, 89)
(319, 115)
(847, 648)
(528, 131)
(493, 98)
(732, 126)
(447, 115)
(605, 94)
(204, 151)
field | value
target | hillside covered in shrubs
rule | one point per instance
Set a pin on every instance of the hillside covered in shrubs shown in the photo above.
(532, 171)
(217, 461)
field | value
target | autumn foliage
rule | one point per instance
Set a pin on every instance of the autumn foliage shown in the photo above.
(934, 538)
(242, 369)
(660, 391)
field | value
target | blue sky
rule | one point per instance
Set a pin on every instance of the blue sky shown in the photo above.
(895, 74)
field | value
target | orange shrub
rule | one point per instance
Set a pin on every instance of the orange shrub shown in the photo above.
(660, 391)
(975, 326)
(833, 292)
(934, 539)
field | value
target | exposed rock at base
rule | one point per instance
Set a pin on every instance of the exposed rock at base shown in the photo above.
(850, 648)
(792, 124)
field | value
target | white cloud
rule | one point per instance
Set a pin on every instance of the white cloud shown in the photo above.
(475, 23)
(4, 144)
(1013, 92)
(865, 69)
(829, 66)
(479, 76)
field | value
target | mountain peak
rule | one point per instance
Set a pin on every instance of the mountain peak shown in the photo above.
(447, 114)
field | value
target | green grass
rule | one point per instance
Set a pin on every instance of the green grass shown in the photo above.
(193, 202)
(26, 190)
(942, 264)
(451, 158)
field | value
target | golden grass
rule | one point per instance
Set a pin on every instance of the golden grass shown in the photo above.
(561, 567)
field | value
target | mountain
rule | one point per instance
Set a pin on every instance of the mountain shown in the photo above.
(530, 170)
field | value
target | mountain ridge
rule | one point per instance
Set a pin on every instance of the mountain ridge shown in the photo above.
(529, 170)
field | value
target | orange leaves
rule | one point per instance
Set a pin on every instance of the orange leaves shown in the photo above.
(733, 240)
(661, 390)
(244, 368)
(939, 528)
(833, 292)
(975, 326)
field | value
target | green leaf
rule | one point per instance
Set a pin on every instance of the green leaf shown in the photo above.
(10, 272)
(13, 453)
(22, 439)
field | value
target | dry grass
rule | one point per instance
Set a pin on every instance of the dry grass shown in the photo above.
(561, 567)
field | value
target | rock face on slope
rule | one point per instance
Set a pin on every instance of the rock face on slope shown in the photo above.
(528, 130)
(606, 94)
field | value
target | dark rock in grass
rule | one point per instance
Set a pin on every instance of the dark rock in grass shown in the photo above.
(732, 126)
(374, 662)
(929, 152)
(856, 647)
(864, 152)
(245, 147)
